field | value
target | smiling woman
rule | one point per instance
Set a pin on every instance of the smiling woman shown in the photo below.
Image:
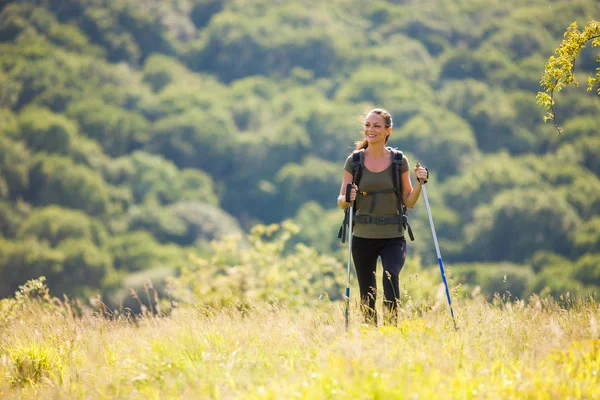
(379, 231)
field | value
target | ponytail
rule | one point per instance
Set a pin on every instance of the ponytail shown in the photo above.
(361, 144)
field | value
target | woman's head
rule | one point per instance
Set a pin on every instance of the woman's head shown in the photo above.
(377, 125)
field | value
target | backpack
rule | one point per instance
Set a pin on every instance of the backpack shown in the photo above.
(402, 219)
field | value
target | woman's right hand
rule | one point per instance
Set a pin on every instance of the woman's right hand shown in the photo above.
(347, 180)
(353, 192)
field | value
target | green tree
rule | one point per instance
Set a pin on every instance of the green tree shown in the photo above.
(23, 260)
(8, 123)
(491, 113)
(76, 267)
(376, 84)
(161, 222)
(138, 251)
(546, 259)
(318, 226)
(160, 71)
(89, 153)
(519, 40)
(194, 93)
(336, 127)
(49, 76)
(492, 175)
(557, 280)
(44, 130)
(9, 91)
(237, 45)
(194, 184)
(440, 140)
(498, 278)
(587, 237)
(465, 63)
(582, 194)
(11, 216)
(204, 222)
(84, 268)
(118, 131)
(57, 180)
(53, 224)
(154, 180)
(584, 125)
(313, 180)
(155, 118)
(195, 140)
(518, 222)
(102, 27)
(251, 100)
(15, 162)
(17, 18)
(587, 269)
(203, 11)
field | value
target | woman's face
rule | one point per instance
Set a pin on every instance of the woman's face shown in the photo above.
(374, 128)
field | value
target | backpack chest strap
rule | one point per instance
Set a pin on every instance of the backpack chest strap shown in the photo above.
(367, 219)
(374, 194)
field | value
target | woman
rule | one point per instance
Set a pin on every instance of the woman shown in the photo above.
(375, 237)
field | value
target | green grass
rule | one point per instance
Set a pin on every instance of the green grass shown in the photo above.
(503, 349)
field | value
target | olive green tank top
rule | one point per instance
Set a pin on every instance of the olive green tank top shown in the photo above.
(386, 204)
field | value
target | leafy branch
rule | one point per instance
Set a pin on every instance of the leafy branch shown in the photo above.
(560, 69)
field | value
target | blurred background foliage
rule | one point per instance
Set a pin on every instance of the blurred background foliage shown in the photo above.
(137, 138)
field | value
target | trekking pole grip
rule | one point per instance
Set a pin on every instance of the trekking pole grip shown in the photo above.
(425, 181)
(348, 192)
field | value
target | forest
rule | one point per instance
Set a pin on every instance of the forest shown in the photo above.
(200, 143)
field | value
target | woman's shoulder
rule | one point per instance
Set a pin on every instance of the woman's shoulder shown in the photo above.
(353, 152)
(395, 151)
(348, 163)
(351, 161)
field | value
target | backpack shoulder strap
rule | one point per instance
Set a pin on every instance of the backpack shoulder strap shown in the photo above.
(397, 158)
(358, 159)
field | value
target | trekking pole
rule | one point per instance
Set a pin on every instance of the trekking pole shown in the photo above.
(437, 249)
(348, 190)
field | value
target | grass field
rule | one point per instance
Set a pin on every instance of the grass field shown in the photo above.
(503, 349)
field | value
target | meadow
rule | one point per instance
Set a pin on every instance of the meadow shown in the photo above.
(150, 148)
(504, 348)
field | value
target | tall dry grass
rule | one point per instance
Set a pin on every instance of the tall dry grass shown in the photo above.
(503, 349)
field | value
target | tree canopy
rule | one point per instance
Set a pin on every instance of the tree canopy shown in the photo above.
(138, 135)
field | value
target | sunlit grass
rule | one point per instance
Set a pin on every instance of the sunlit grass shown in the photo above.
(503, 349)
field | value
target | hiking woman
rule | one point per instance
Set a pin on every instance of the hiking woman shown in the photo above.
(379, 225)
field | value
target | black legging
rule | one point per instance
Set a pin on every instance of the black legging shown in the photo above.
(393, 254)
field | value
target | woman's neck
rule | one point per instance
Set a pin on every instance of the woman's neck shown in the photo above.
(376, 151)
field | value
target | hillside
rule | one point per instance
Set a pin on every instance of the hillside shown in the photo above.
(135, 136)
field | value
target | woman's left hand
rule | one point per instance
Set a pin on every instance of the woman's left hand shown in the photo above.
(421, 174)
